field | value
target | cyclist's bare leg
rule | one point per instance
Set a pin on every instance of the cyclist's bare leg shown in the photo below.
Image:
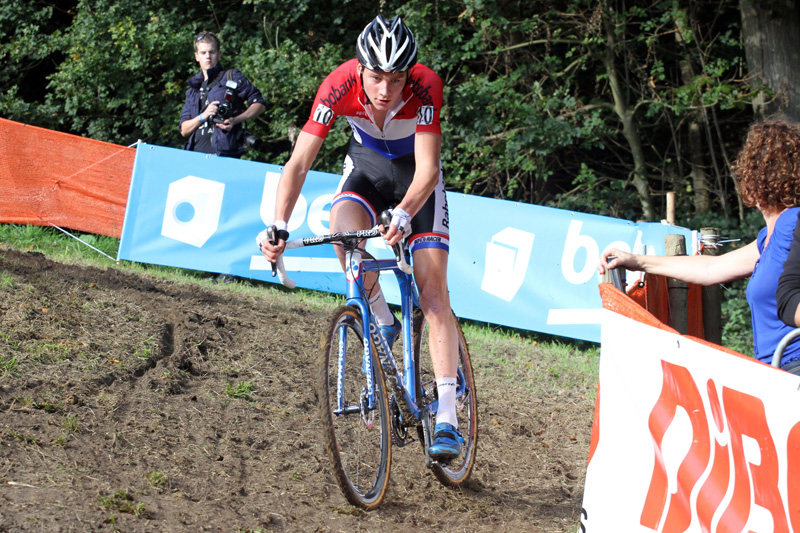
(430, 273)
(350, 216)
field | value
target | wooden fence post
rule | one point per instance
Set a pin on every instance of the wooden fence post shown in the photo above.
(712, 295)
(671, 208)
(678, 290)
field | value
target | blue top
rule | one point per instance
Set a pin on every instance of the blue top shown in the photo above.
(768, 328)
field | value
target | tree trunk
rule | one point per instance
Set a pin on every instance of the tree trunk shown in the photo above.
(630, 128)
(702, 200)
(772, 46)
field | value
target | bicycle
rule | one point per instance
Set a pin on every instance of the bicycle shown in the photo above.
(367, 401)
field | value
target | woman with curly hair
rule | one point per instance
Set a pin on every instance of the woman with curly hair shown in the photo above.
(767, 171)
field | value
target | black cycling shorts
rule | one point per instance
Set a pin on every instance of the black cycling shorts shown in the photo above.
(377, 184)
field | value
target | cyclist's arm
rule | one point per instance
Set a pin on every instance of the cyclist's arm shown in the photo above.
(788, 293)
(699, 269)
(294, 173)
(427, 152)
(290, 184)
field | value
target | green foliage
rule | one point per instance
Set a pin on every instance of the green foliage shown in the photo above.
(529, 112)
(242, 391)
(9, 366)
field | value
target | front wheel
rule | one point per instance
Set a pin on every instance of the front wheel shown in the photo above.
(457, 472)
(355, 418)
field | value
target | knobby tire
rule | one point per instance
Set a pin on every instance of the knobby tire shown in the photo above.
(458, 471)
(361, 452)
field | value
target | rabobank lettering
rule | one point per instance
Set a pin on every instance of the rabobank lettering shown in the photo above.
(422, 92)
(336, 93)
(523, 265)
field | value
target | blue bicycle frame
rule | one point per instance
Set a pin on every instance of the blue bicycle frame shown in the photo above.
(356, 297)
(356, 268)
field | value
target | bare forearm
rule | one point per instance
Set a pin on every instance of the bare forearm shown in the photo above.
(190, 126)
(422, 186)
(288, 192)
(698, 269)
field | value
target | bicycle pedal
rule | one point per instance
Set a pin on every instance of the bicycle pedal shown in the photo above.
(431, 462)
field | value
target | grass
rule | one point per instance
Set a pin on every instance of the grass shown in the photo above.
(156, 478)
(70, 424)
(565, 362)
(242, 391)
(9, 366)
(48, 406)
(123, 502)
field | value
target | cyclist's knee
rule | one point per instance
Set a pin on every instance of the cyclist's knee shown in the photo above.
(349, 215)
(434, 301)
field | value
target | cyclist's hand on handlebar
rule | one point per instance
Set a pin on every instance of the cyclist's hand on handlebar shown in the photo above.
(400, 227)
(272, 241)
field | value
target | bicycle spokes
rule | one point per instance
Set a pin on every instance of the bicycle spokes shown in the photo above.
(355, 413)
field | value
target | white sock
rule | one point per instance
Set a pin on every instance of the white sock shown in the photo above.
(381, 309)
(446, 387)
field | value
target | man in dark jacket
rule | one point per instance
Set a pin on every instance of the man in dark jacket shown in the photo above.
(215, 103)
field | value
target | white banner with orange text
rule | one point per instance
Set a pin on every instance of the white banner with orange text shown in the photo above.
(689, 438)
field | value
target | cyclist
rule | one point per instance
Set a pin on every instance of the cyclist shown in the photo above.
(393, 105)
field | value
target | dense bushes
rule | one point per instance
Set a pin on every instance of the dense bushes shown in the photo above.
(587, 105)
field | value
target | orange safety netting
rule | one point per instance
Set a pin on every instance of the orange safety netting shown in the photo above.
(653, 295)
(619, 302)
(52, 178)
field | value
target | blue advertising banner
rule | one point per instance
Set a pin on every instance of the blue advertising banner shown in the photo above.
(518, 265)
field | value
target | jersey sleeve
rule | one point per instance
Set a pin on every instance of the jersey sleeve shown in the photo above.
(339, 86)
(428, 88)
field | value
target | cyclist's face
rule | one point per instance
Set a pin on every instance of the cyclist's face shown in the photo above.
(207, 55)
(383, 89)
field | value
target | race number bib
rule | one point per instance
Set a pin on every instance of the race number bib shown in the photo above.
(425, 115)
(323, 114)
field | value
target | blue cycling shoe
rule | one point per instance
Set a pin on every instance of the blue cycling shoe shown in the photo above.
(391, 333)
(447, 442)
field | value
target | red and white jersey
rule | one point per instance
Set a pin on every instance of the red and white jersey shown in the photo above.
(416, 110)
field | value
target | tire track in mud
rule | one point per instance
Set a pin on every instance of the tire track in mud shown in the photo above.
(142, 367)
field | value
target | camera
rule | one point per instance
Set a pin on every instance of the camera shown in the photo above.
(250, 141)
(225, 111)
(225, 108)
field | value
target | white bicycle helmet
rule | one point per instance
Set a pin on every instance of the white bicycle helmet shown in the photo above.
(387, 46)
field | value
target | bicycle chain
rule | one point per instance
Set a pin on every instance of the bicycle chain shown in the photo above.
(400, 398)
(397, 390)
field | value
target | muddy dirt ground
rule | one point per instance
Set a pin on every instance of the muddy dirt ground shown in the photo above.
(130, 403)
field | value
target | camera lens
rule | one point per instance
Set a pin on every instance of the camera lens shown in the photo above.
(251, 141)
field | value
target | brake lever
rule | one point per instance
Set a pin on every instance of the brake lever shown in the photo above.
(386, 220)
(272, 237)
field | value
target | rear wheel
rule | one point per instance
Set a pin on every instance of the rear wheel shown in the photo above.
(357, 431)
(456, 472)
